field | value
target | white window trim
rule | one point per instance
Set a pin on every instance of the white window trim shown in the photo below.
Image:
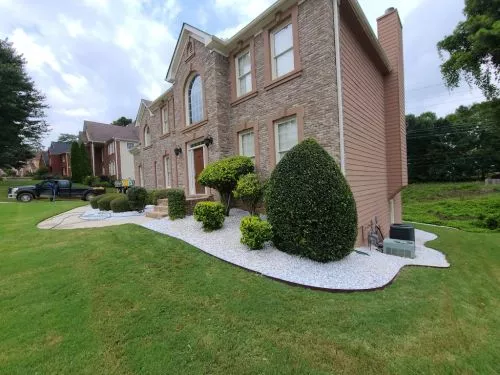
(237, 70)
(167, 164)
(276, 135)
(240, 140)
(274, 71)
(165, 126)
(186, 100)
(191, 171)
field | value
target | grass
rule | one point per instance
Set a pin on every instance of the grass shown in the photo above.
(459, 205)
(124, 300)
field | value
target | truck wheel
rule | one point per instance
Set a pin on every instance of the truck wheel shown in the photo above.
(25, 197)
(89, 196)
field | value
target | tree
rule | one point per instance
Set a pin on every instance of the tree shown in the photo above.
(122, 121)
(223, 175)
(22, 109)
(474, 48)
(85, 161)
(310, 205)
(65, 137)
(77, 172)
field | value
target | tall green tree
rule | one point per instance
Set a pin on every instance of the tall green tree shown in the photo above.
(76, 164)
(122, 121)
(22, 109)
(474, 48)
(85, 161)
(65, 137)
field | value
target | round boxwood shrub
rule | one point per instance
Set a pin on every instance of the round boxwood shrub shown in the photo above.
(120, 204)
(250, 190)
(94, 201)
(223, 175)
(176, 203)
(254, 232)
(310, 205)
(159, 194)
(211, 214)
(137, 197)
(104, 203)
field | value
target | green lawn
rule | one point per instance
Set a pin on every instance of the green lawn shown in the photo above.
(461, 205)
(124, 300)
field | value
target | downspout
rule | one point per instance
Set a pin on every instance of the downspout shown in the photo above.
(336, 27)
(117, 144)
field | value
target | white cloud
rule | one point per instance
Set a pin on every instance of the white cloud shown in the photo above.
(73, 27)
(375, 9)
(36, 55)
(57, 97)
(75, 82)
(77, 112)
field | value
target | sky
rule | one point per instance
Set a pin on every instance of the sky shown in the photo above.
(95, 59)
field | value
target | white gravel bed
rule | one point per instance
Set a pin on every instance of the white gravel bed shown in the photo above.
(96, 214)
(354, 272)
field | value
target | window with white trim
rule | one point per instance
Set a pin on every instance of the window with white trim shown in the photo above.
(285, 136)
(112, 168)
(194, 100)
(282, 59)
(164, 120)
(168, 172)
(243, 73)
(247, 144)
(111, 148)
(147, 136)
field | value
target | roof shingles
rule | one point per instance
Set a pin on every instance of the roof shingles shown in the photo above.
(99, 132)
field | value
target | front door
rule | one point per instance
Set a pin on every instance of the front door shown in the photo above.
(196, 164)
(199, 164)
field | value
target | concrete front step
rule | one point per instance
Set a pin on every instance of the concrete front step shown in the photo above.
(160, 209)
(162, 202)
(156, 214)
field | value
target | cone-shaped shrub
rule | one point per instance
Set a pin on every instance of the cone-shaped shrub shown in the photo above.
(310, 205)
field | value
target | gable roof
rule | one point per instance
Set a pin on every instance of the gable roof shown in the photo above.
(57, 148)
(224, 46)
(101, 133)
(144, 105)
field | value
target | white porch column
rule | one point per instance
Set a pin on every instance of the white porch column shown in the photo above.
(93, 158)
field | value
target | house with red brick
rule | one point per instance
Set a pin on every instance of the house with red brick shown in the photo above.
(59, 156)
(308, 68)
(108, 147)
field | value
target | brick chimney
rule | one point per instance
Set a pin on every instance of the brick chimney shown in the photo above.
(390, 35)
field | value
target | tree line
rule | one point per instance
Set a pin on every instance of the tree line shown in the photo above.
(464, 145)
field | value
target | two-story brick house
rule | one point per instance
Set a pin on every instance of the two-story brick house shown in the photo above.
(59, 157)
(309, 68)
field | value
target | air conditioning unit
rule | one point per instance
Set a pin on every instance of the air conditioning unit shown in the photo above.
(400, 248)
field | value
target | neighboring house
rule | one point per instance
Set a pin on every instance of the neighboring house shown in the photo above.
(59, 154)
(109, 148)
(43, 159)
(308, 68)
(31, 165)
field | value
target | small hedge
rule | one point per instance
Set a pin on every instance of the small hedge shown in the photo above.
(137, 197)
(310, 205)
(104, 203)
(250, 190)
(254, 232)
(211, 214)
(120, 204)
(223, 175)
(94, 201)
(159, 194)
(176, 203)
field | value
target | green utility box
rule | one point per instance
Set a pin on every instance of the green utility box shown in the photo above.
(400, 248)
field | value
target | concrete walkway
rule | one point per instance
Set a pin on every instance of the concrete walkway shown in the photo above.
(74, 219)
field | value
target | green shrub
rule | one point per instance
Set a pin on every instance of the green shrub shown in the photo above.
(310, 205)
(211, 214)
(223, 176)
(150, 199)
(254, 232)
(492, 222)
(250, 190)
(137, 198)
(94, 201)
(91, 180)
(104, 204)
(120, 204)
(176, 203)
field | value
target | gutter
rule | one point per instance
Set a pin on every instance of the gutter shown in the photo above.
(340, 104)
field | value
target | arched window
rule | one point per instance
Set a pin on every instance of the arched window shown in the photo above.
(194, 100)
(147, 136)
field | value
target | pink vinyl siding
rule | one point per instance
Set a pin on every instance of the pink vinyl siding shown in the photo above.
(364, 132)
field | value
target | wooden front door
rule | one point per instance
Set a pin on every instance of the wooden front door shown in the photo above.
(199, 164)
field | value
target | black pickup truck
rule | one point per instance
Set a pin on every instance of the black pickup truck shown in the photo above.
(44, 189)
